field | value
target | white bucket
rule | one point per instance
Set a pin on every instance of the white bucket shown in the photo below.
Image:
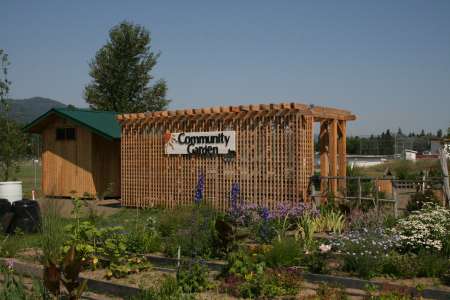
(11, 190)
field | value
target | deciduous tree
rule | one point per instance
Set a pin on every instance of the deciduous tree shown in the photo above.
(121, 73)
(12, 140)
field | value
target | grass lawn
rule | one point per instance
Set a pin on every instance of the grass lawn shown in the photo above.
(404, 168)
(26, 174)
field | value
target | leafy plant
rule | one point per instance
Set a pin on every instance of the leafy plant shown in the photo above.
(419, 199)
(52, 235)
(362, 251)
(145, 238)
(240, 263)
(426, 229)
(317, 261)
(227, 234)
(127, 266)
(330, 221)
(197, 238)
(193, 277)
(371, 219)
(306, 227)
(66, 274)
(431, 264)
(400, 266)
(13, 287)
(331, 292)
(285, 252)
(167, 290)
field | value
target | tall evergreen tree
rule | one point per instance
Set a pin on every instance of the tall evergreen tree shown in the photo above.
(121, 73)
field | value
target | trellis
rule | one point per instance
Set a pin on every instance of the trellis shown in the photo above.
(273, 162)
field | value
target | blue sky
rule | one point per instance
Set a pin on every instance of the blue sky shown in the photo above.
(387, 61)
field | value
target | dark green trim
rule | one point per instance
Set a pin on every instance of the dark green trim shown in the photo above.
(66, 116)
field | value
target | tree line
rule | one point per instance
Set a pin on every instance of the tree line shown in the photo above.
(388, 143)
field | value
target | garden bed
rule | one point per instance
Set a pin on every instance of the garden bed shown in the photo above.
(247, 252)
(132, 284)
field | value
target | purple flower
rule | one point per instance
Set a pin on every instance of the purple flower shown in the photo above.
(265, 214)
(199, 188)
(234, 195)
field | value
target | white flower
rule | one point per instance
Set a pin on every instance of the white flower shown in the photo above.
(324, 248)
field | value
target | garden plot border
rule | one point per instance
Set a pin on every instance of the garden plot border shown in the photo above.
(346, 282)
(105, 287)
(94, 285)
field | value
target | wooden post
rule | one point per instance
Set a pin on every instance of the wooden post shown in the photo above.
(342, 152)
(324, 166)
(395, 196)
(359, 192)
(333, 154)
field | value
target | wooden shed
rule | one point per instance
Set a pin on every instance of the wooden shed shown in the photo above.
(80, 152)
(268, 150)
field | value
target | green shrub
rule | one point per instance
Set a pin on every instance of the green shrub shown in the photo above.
(363, 265)
(424, 230)
(197, 238)
(431, 264)
(270, 283)
(285, 252)
(167, 290)
(145, 238)
(400, 266)
(404, 169)
(193, 277)
(445, 278)
(246, 276)
(240, 263)
(363, 251)
(13, 287)
(331, 292)
(363, 256)
(317, 262)
(419, 199)
(424, 264)
(127, 265)
(170, 221)
(10, 245)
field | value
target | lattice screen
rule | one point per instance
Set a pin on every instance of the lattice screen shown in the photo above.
(273, 161)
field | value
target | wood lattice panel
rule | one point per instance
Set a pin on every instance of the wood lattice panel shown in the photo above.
(273, 161)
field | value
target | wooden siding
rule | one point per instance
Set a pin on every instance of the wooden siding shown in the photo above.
(106, 166)
(273, 162)
(68, 165)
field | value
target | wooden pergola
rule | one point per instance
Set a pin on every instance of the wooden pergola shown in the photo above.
(273, 163)
(333, 144)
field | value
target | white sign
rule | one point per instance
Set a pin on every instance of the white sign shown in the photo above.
(200, 143)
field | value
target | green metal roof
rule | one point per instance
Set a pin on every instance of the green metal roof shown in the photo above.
(103, 123)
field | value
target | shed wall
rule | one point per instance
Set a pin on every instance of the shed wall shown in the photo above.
(66, 165)
(84, 166)
(106, 166)
(273, 162)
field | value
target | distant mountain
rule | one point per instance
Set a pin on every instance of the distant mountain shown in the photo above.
(26, 110)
